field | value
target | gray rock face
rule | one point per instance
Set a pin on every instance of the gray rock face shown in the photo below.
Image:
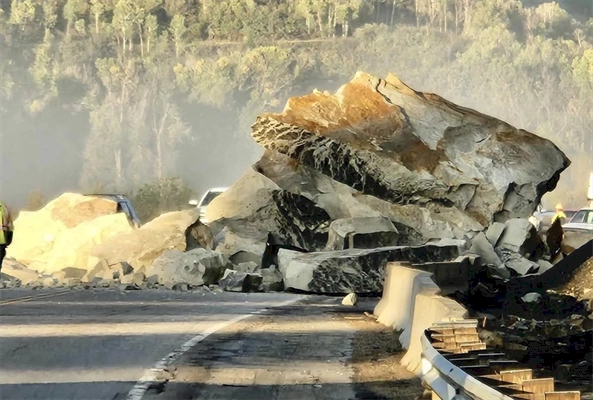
(494, 233)
(235, 281)
(272, 280)
(521, 237)
(353, 270)
(514, 261)
(254, 208)
(482, 247)
(361, 233)
(415, 223)
(196, 267)
(384, 139)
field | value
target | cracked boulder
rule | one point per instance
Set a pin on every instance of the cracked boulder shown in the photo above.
(353, 270)
(386, 140)
(256, 207)
(416, 223)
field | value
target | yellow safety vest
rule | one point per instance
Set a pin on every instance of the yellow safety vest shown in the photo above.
(2, 236)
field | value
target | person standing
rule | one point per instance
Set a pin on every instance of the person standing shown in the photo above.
(5, 232)
(559, 214)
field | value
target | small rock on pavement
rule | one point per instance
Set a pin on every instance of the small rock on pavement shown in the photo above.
(350, 300)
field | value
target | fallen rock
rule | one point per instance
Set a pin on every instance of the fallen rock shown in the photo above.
(386, 140)
(196, 267)
(350, 300)
(532, 298)
(516, 263)
(272, 280)
(416, 224)
(239, 249)
(199, 235)
(248, 267)
(135, 279)
(353, 270)
(521, 237)
(140, 247)
(14, 269)
(255, 207)
(494, 233)
(483, 247)
(235, 281)
(361, 233)
(62, 233)
(96, 273)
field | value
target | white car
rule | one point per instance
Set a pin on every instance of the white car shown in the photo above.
(581, 221)
(206, 199)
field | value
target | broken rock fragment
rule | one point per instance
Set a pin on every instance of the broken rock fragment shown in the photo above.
(521, 237)
(361, 233)
(235, 281)
(353, 270)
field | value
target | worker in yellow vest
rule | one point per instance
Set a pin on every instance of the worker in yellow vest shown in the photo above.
(559, 214)
(5, 232)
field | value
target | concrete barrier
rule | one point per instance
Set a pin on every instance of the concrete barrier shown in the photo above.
(428, 309)
(396, 305)
(411, 301)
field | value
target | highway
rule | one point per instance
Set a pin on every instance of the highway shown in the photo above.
(97, 344)
(107, 344)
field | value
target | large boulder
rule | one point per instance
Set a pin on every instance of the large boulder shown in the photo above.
(72, 247)
(62, 233)
(140, 247)
(196, 267)
(353, 270)
(255, 207)
(384, 139)
(416, 223)
(362, 233)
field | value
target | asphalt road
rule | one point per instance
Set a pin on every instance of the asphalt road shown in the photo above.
(97, 344)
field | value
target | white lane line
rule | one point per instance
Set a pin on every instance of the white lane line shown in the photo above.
(156, 373)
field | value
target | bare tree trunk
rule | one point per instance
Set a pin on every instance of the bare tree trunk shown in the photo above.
(97, 24)
(140, 34)
(320, 23)
(118, 169)
(445, 8)
(392, 13)
(159, 141)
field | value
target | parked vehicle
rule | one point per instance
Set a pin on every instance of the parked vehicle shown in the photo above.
(206, 199)
(123, 205)
(581, 221)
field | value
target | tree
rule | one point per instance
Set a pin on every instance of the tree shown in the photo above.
(178, 31)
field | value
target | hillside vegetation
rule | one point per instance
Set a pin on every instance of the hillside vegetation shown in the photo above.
(115, 94)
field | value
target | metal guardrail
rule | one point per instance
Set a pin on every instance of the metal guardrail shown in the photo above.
(456, 365)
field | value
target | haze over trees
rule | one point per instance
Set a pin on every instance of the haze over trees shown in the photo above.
(115, 94)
